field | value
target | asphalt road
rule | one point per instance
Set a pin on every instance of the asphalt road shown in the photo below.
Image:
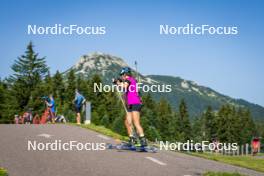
(19, 161)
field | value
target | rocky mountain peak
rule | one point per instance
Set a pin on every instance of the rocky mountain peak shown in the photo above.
(97, 61)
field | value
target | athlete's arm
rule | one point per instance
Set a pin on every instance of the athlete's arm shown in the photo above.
(123, 84)
(84, 100)
(49, 104)
(75, 99)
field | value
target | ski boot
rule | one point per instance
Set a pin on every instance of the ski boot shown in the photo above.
(143, 141)
(132, 141)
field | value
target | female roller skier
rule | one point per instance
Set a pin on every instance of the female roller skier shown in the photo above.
(133, 106)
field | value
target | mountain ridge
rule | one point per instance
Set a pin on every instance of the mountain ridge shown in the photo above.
(197, 97)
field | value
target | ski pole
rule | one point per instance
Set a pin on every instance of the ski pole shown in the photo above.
(136, 67)
(124, 106)
(122, 100)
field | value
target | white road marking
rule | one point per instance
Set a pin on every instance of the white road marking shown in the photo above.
(155, 161)
(45, 135)
(103, 137)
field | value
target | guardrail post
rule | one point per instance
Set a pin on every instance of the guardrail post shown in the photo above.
(246, 149)
(87, 113)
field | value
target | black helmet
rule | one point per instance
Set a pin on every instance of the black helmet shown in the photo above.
(125, 70)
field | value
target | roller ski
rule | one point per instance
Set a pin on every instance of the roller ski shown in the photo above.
(133, 146)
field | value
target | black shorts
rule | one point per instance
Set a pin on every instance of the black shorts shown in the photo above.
(134, 107)
(78, 109)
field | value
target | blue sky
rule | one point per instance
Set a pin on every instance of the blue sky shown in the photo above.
(232, 65)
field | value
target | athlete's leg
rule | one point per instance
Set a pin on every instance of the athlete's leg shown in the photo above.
(78, 118)
(129, 127)
(128, 124)
(136, 122)
(52, 117)
(78, 110)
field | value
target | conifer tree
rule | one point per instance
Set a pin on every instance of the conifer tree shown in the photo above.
(71, 86)
(58, 87)
(48, 85)
(209, 124)
(164, 118)
(29, 70)
(114, 107)
(184, 123)
(226, 124)
(2, 100)
(198, 130)
(149, 110)
(246, 125)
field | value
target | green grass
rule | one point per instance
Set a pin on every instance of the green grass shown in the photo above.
(3, 172)
(221, 174)
(103, 130)
(249, 162)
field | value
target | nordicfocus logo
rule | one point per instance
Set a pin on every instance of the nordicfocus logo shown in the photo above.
(202, 146)
(58, 145)
(59, 29)
(139, 87)
(191, 29)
